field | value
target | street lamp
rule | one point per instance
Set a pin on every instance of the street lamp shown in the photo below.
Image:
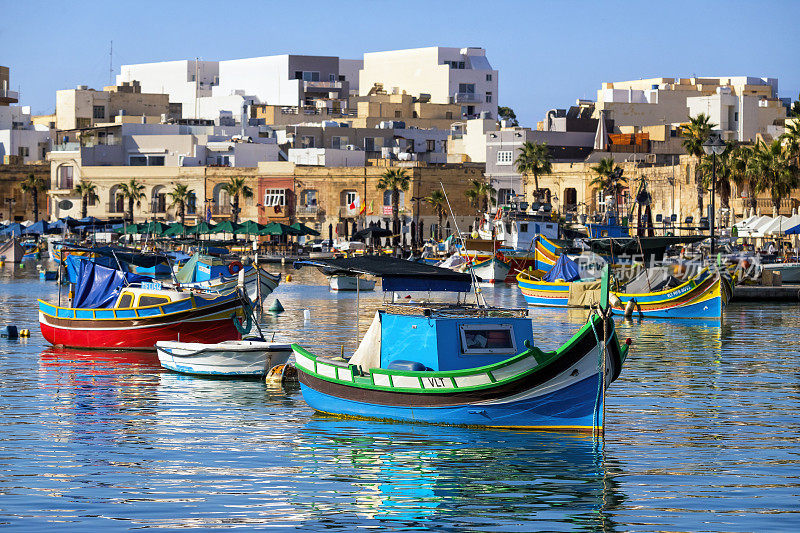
(713, 147)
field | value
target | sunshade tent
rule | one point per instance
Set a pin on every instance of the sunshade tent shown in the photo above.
(276, 228)
(305, 229)
(176, 228)
(782, 229)
(39, 228)
(226, 226)
(13, 230)
(130, 228)
(154, 228)
(203, 228)
(372, 232)
(249, 227)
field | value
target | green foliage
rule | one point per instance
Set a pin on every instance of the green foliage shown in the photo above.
(506, 113)
(481, 195)
(534, 159)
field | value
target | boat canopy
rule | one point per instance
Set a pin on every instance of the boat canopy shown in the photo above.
(565, 268)
(99, 286)
(395, 274)
(73, 263)
(125, 255)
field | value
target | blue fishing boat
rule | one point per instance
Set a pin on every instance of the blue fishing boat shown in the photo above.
(461, 364)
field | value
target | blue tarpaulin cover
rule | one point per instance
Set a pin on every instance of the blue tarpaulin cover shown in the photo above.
(12, 230)
(37, 228)
(565, 268)
(74, 265)
(99, 286)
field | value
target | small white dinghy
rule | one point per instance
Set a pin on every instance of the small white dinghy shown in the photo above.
(229, 358)
(351, 283)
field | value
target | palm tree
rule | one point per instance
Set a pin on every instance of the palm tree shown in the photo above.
(609, 178)
(88, 192)
(694, 135)
(133, 191)
(743, 173)
(180, 197)
(33, 186)
(534, 159)
(776, 172)
(437, 201)
(481, 195)
(236, 187)
(394, 180)
(791, 139)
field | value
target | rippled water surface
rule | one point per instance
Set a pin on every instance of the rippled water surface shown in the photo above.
(703, 435)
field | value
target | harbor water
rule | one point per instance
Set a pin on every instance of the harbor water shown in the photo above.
(703, 434)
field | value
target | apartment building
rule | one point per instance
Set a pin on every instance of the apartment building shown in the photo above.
(7, 96)
(461, 76)
(83, 107)
(21, 141)
(742, 106)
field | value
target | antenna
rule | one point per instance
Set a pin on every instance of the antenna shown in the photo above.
(111, 63)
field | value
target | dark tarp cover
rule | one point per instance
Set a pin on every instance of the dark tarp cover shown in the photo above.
(124, 255)
(565, 268)
(99, 286)
(395, 274)
(74, 265)
(12, 230)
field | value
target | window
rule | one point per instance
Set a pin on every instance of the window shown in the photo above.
(448, 114)
(523, 227)
(155, 161)
(331, 77)
(504, 157)
(350, 198)
(504, 196)
(488, 77)
(65, 177)
(398, 114)
(489, 338)
(23, 151)
(339, 142)
(145, 300)
(91, 201)
(373, 144)
(138, 161)
(274, 197)
(488, 97)
(126, 300)
(468, 88)
(430, 145)
(387, 198)
(146, 160)
(307, 141)
(309, 198)
(736, 116)
(98, 111)
(191, 204)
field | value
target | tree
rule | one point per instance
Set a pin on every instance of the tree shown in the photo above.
(506, 113)
(694, 135)
(437, 201)
(133, 192)
(394, 180)
(180, 197)
(236, 187)
(795, 110)
(790, 139)
(33, 186)
(88, 192)
(776, 172)
(743, 172)
(534, 159)
(481, 195)
(609, 178)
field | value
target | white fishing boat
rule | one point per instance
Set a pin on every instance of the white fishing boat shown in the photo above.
(492, 270)
(351, 283)
(229, 358)
(790, 272)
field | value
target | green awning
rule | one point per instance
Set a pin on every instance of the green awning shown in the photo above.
(176, 228)
(249, 227)
(304, 229)
(276, 228)
(203, 228)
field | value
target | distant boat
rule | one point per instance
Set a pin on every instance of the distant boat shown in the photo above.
(212, 274)
(492, 270)
(351, 283)
(11, 251)
(790, 272)
(229, 358)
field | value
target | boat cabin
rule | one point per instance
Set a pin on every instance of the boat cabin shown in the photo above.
(447, 337)
(518, 230)
(149, 294)
(203, 267)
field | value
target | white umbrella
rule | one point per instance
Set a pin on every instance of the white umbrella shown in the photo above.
(27, 223)
(601, 136)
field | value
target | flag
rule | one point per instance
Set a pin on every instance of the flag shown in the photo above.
(363, 208)
(352, 205)
(371, 212)
(208, 214)
(499, 214)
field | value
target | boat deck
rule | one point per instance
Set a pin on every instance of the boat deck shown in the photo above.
(766, 293)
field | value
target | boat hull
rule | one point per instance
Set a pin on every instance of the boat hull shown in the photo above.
(790, 272)
(560, 390)
(348, 283)
(122, 329)
(239, 358)
(492, 270)
(700, 298)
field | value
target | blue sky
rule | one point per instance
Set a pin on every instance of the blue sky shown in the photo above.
(548, 53)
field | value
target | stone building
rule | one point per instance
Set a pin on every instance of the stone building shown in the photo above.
(16, 205)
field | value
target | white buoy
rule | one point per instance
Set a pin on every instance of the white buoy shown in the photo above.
(306, 314)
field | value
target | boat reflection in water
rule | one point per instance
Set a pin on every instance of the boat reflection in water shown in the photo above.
(414, 476)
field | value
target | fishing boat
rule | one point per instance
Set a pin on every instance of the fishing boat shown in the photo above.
(213, 274)
(11, 251)
(117, 310)
(492, 270)
(461, 364)
(654, 293)
(240, 358)
(790, 272)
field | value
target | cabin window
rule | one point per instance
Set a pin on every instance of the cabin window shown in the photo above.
(126, 300)
(146, 300)
(490, 338)
(523, 228)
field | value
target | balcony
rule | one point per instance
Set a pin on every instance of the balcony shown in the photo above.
(9, 97)
(322, 85)
(467, 98)
(307, 210)
(67, 147)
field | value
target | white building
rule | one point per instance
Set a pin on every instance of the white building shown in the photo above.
(445, 75)
(740, 117)
(20, 137)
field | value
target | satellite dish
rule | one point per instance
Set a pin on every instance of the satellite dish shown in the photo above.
(65, 205)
